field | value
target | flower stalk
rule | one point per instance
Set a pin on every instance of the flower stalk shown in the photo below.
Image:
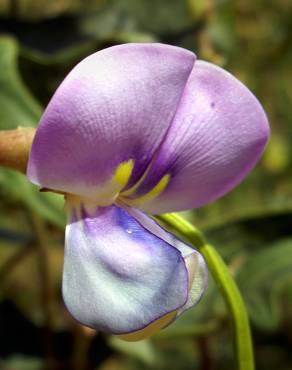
(226, 285)
(15, 146)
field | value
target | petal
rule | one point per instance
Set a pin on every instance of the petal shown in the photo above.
(113, 109)
(196, 266)
(198, 280)
(119, 277)
(218, 134)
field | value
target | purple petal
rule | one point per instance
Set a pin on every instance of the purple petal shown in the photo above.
(115, 106)
(218, 134)
(119, 277)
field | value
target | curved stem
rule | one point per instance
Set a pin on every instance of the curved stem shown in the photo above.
(225, 283)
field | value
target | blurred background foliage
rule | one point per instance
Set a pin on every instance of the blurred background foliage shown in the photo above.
(40, 41)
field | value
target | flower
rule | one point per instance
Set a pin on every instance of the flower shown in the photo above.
(136, 129)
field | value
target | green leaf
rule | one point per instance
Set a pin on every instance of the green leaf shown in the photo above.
(143, 350)
(20, 362)
(17, 105)
(263, 279)
(255, 198)
(19, 108)
(125, 16)
(47, 205)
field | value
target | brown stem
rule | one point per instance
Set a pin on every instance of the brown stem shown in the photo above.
(206, 357)
(15, 146)
(46, 290)
(13, 262)
(82, 341)
(14, 8)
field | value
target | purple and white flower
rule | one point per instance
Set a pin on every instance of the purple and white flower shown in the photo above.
(136, 129)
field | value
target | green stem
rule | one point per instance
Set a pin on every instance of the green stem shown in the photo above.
(226, 284)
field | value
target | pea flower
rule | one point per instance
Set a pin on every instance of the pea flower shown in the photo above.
(140, 129)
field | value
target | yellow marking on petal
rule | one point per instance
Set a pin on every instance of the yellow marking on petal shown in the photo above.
(153, 193)
(132, 189)
(150, 329)
(107, 193)
(123, 173)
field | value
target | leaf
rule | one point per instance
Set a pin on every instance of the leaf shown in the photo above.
(125, 16)
(17, 105)
(47, 205)
(19, 108)
(263, 279)
(251, 200)
(143, 350)
(21, 362)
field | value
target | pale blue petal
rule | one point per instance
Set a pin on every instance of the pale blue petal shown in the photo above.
(196, 266)
(119, 277)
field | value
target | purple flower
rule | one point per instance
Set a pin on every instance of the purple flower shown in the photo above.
(141, 128)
